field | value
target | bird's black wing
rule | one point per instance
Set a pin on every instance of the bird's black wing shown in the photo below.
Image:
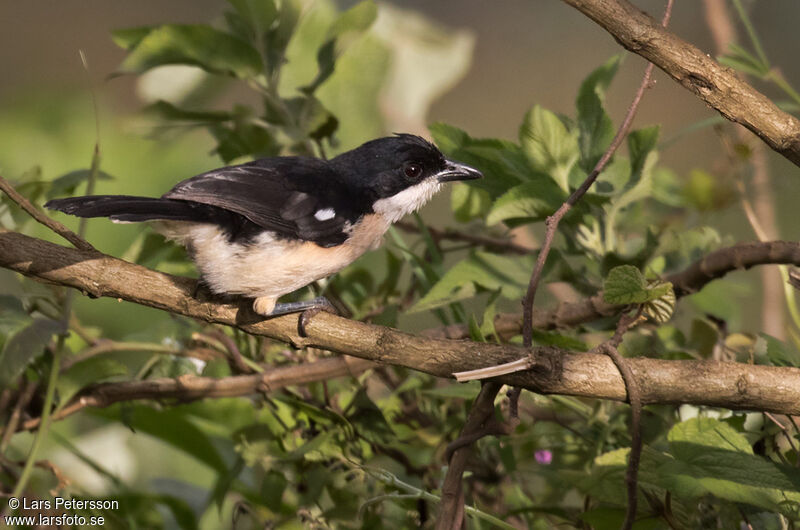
(302, 198)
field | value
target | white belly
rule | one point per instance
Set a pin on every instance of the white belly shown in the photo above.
(269, 266)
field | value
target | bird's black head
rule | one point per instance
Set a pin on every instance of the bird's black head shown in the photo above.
(399, 173)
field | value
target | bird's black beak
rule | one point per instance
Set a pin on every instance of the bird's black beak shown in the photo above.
(456, 171)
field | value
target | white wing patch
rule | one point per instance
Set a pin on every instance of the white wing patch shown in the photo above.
(324, 214)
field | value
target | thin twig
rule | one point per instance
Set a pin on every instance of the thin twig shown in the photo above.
(451, 509)
(107, 346)
(553, 221)
(25, 397)
(76, 240)
(236, 356)
(785, 430)
(635, 399)
(609, 347)
(191, 387)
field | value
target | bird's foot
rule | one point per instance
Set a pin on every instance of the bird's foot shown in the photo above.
(320, 304)
(267, 307)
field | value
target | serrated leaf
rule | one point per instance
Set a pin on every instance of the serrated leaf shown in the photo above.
(531, 201)
(712, 457)
(708, 432)
(25, 346)
(549, 145)
(625, 285)
(595, 127)
(661, 303)
(198, 45)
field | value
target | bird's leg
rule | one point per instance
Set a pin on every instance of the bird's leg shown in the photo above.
(318, 304)
(267, 307)
(264, 305)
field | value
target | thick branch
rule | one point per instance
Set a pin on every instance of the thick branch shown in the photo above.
(729, 385)
(715, 84)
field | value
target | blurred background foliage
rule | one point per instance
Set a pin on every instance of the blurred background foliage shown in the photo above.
(490, 85)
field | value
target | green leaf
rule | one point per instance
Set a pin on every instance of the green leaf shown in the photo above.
(67, 184)
(625, 285)
(469, 202)
(272, 487)
(532, 201)
(258, 14)
(595, 129)
(501, 160)
(712, 457)
(128, 38)
(352, 22)
(546, 338)
(744, 61)
(277, 39)
(358, 18)
(662, 301)
(549, 145)
(780, 353)
(488, 271)
(707, 432)
(12, 315)
(198, 45)
(641, 143)
(173, 427)
(167, 111)
(90, 371)
(487, 328)
(25, 346)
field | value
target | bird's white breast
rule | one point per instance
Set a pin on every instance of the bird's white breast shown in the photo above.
(269, 266)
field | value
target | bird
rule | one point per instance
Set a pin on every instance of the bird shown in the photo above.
(266, 228)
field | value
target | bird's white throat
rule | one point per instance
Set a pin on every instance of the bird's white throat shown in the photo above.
(409, 200)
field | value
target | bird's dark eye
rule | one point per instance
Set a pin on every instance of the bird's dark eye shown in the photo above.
(412, 171)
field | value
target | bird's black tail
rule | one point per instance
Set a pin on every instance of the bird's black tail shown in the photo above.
(126, 208)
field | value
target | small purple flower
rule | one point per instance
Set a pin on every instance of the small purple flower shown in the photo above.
(543, 456)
